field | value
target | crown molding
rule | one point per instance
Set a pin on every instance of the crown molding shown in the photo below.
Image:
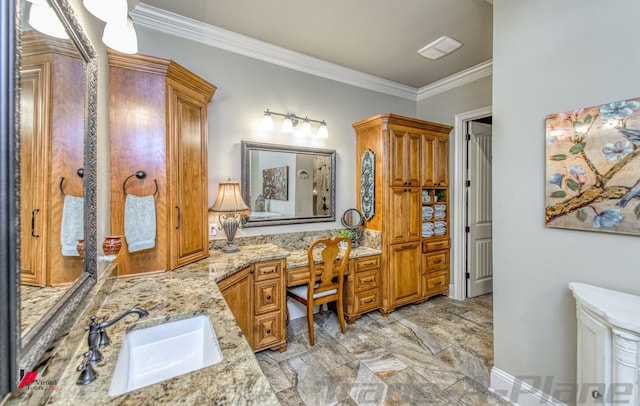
(157, 19)
(160, 20)
(461, 78)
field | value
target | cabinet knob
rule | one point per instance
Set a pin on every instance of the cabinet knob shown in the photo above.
(268, 297)
(268, 331)
(596, 395)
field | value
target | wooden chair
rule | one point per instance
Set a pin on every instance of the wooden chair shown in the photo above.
(327, 286)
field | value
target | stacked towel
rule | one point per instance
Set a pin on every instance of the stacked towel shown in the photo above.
(427, 229)
(425, 197)
(427, 212)
(440, 211)
(140, 222)
(441, 228)
(72, 226)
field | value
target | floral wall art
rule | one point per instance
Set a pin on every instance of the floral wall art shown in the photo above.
(275, 183)
(593, 168)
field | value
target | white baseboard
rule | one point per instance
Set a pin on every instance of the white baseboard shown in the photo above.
(517, 392)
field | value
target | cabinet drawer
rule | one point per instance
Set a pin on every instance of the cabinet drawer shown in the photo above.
(268, 270)
(367, 263)
(435, 261)
(435, 282)
(428, 246)
(366, 280)
(300, 276)
(366, 301)
(268, 296)
(267, 330)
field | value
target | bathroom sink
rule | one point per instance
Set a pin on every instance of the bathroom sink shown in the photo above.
(164, 351)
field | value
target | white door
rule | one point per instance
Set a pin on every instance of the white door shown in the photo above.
(479, 243)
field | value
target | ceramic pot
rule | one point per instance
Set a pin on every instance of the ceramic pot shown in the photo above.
(80, 248)
(112, 244)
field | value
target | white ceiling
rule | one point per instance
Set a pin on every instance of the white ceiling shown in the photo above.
(376, 37)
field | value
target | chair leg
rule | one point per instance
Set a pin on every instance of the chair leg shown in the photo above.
(340, 311)
(310, 322)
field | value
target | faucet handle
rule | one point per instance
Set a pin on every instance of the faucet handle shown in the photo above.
(104, 338)
(87, 373)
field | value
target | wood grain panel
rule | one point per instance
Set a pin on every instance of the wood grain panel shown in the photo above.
(138, 142)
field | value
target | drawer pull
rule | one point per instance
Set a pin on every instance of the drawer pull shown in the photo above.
(367, 280)
(367, 301)
(268, 297)
(437, 261)
(271, 270)
(437, 283)
(368, 263)
(407, 246)
(268, 331)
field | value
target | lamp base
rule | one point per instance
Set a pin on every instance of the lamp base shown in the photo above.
(230, 247)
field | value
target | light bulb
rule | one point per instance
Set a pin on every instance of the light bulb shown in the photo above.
(323, 132)
(121, 37)
(44, 19)
(267, 122)
(287, 125)
(306, 128)
(108, 11)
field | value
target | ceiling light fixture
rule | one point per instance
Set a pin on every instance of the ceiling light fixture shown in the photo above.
(291, 121)
(440, 47)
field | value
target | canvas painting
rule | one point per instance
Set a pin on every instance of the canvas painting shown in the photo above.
(593, 168)
(275, 183)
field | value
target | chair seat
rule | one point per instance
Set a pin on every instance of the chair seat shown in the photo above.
(301, 291)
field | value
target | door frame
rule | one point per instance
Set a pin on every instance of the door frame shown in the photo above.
(457, 288)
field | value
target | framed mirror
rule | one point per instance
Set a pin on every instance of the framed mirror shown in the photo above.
(56, 136)
(284, 184)
(352, 218)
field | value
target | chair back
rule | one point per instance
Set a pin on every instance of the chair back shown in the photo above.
(333, 270)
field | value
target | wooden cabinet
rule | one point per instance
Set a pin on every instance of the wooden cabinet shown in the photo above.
(51, 148)
(404, 158)
(256, 296)
(158, 124)
(410, 154)
(435, 160)
(362, 287)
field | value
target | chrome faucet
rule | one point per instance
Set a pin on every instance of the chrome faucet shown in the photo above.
(98, 337)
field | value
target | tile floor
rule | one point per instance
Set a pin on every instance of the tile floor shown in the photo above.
(439, 352)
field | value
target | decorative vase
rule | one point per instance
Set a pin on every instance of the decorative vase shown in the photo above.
(80, 248)
(112, 244)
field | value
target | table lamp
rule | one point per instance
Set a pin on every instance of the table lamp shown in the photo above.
(230, 209)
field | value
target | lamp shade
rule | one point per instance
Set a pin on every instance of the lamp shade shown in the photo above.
(44, 19)
(229, 199)
(287, 125)
(323, 131)
(108, 11)
(267, 122)
(306, 127)
(121, 37)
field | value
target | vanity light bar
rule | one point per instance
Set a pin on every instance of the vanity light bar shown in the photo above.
(290, 121)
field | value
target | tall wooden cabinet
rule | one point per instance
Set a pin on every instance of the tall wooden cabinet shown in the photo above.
(51, 148)
(158, 124)
(411, 164)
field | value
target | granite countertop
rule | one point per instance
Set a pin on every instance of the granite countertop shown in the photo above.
(298, 258)
(185, 291)
(238, 379)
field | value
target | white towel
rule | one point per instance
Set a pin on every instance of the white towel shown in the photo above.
(440, 215)
(72, 226)
(441, 207)
(140, 222)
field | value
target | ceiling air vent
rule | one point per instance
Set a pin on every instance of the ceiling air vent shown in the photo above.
(440, 47)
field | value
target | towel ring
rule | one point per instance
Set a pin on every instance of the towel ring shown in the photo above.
(140, 175)
(79, 172)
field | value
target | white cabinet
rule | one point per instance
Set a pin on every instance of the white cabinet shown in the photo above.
(608, 346)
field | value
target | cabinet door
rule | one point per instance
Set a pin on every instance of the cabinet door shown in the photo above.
(188, 211)
(404, 153)
(405, 214)
(237, 290)
(594, 358)
(404, 273)
(435, 160)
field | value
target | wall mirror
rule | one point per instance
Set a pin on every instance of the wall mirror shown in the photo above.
(284, 184)
(56, 112)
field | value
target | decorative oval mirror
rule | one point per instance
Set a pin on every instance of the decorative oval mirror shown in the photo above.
(352, 218)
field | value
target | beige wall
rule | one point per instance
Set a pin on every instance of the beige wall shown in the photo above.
(549, 57)
(246, 87)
